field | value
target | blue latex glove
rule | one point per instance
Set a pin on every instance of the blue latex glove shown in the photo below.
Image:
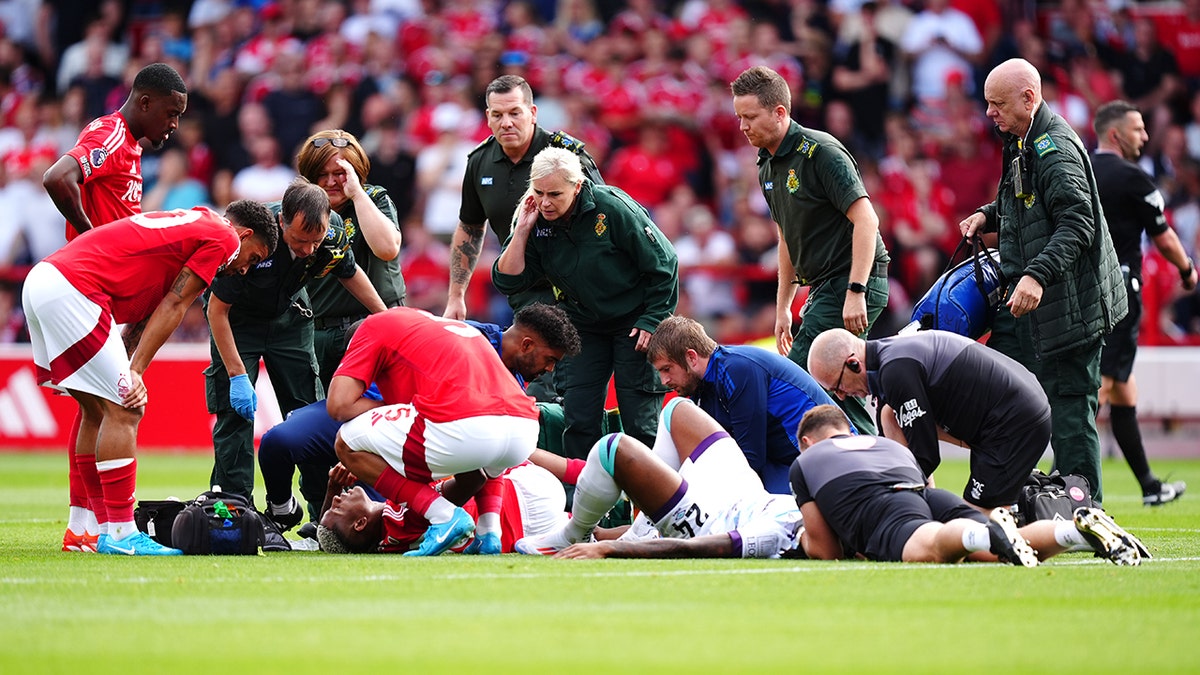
(372, 393)
(242, 396)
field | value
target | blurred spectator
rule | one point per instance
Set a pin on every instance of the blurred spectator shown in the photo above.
(941, 40)
(274, 37)
(99, 41)
(267, 177)
(440, 169)
(862, 75)
(648, 169)
(174, 189)
(707, 255)
(576, 23)
(295, 110)
(425, 264)
(1149, 73)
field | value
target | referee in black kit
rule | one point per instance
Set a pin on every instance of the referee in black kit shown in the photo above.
(1132, 203)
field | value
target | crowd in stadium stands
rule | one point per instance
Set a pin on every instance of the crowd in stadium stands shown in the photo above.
(645, 84)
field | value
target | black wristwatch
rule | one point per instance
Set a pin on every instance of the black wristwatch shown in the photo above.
(855, 287)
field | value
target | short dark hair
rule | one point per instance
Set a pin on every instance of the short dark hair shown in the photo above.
(505, 84)
(552, 324)
(675, 336)
(822, 417)
(766, 85)
(1110, 114)
(307, 198)
(159, 79)
(251, 214)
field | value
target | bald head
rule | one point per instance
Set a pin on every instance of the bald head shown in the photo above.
(1013, 91)
(834, 352)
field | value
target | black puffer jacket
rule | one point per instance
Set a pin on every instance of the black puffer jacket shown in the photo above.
(1059, 237)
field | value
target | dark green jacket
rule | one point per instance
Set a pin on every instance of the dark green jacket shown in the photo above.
(1058, 236)
(611, 267)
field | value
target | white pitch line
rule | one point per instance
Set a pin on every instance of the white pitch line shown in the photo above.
(171, 578)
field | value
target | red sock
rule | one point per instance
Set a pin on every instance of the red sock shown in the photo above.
(118, 483)
(574, 466)
(90, 478)
(417, 495)
(78, 489)
(490, 496)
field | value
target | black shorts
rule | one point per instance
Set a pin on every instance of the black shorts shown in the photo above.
(899, 514)
(1001, 466)
(1120, 346)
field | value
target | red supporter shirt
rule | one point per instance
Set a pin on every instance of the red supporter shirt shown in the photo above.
(446, 369)
(111, 161)
(129, 265)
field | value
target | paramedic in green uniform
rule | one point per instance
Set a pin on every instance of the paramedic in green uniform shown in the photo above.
(334, 160)
(265, 314)
(496, 179)
(616, 276)
(829, 232)
(1066, 289)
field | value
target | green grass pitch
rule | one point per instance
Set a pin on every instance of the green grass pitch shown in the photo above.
(315, 613)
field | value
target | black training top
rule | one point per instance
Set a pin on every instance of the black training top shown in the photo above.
(1132, 203)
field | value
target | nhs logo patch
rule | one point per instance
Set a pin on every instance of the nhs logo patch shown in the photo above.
(485, 180)
(769, 185)
(265, 264)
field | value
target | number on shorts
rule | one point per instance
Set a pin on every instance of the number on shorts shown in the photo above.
(691, 522)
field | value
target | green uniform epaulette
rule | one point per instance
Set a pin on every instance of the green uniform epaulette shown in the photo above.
(561, 139)
(482, 144)
(807, 147)
(1044, 145)
(373, 191)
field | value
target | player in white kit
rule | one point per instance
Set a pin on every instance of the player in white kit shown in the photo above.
(694, 488)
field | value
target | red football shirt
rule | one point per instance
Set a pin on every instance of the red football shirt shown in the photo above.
(111, 161)
(446, 369)
(129, 265)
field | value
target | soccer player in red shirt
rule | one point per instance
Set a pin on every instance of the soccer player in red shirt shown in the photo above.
(144, 271)
(449, 407)
(97, 182)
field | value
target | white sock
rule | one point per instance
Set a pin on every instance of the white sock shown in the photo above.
(77, 520)
(92, 526)
(119, 531)
(664, 445)
(286, 508)
(976, 537)
(1069, 536)
(488, 523)
(595, 493)
(440, 511)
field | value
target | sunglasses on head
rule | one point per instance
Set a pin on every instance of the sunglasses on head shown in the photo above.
(337, 142)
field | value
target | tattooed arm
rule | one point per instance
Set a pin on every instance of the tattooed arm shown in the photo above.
(464, 254)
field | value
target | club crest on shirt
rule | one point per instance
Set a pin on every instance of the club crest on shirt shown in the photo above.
(97, 156)
(485, 180)
(793, 182)
(601, 228)
(122, 386)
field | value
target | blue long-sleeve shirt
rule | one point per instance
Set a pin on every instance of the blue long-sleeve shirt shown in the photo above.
(759, 397)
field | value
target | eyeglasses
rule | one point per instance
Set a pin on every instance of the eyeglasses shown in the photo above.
(337, 142)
